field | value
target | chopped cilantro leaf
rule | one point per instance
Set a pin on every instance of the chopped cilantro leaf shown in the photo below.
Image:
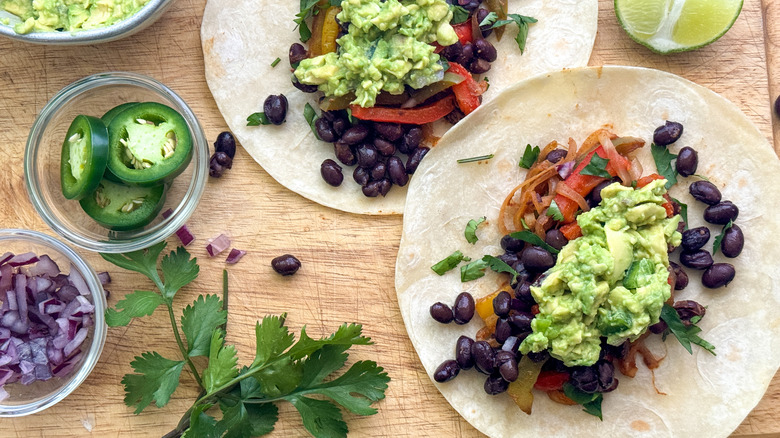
(591, 403)
(450, 262)
(257, 119)
(663, 162)
(683, 211)
(311, 116)
(471, 230)
(533, 239)
(459, 14)
(522, 23)
(489, 19)
(596, 167)
(687, 335)
(529, 156)
(499, 265)
(474, 159)
(719, 237)
(554, 211)
(473, 270)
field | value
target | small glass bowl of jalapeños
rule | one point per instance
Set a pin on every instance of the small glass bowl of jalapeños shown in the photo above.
(107, 154)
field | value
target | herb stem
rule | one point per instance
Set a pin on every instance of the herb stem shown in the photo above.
(182, 349)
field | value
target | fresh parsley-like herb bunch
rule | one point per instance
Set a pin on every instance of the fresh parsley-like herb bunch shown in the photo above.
(282, 370)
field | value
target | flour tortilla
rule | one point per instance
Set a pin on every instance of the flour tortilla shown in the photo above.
(705, 395)
(241, 38)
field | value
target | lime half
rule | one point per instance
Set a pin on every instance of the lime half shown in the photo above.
(666, 26)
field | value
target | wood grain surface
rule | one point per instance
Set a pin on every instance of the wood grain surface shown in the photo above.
(348, 260)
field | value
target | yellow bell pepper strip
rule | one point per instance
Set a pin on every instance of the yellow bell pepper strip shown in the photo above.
(330, 30)
(521, 389)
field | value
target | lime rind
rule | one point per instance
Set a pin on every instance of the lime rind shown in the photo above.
(662, 41)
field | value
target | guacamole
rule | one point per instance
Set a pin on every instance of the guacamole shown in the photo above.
(388, 46)
(69, 15)
(611, 282)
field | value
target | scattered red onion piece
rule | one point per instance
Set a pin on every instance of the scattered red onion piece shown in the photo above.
(235, 255)
(5, 257)
(104, 277)
(77, 280)
(185, 235)
(565, 169)
(45, 266)
(167, 213)
(218, 244)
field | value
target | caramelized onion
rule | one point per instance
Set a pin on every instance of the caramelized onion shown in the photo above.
(565, 190)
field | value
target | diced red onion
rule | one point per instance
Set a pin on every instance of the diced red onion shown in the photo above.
(565, 169)
(45, 266)
(3, 393)
(234, 256)
(185, 235)
(167, 213)
(77, 280)
(104, 278)
(10, 299)
(218, 244)
(6, 275)
(27, 258)
(66, 367)
(5, 257)
(21, 296)
(76, 341)
(67, 293)
(4, 334)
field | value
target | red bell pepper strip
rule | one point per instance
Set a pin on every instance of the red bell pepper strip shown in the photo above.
(463, 31)
(551, 380)
(571, 230)
(583, 184)
(414, 116)
(467, 92)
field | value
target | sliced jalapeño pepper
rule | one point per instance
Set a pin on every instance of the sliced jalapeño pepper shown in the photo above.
(149, 144)
(84, 156)
(110, 114)
(121, 208)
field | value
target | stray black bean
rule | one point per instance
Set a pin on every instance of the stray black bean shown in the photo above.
(667, 134)
(687, 161)
(325, 130)
(463, 352)
(486, 30)
(521, 322)
(218, 163)
(681, 278)
(484, 357)
(226, 143)
(448, 370)
(306, 88)
(485, 50)
(718, 275)
(556, 155)
(331, 173)
(339, 125)
(705, 192)
(479, 66)
(501, 304)
(297, 54)
(687, 309)
(441, 313)
(594, 197)
(275, 108)
(466, 54)
(511, 244)
(452, 52)
(361, 176)
(396, 171)
(733, 241)
(700, 259)
(414, 160)
(463, 308)
(286, 264)
(721, 213)
(695, 238)
(555, 238)
(495, 384)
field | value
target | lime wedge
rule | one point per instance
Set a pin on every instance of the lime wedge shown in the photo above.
(666, 26)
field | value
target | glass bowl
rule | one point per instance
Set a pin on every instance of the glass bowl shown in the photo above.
(94, 95)
(143, 18)
(35, 397)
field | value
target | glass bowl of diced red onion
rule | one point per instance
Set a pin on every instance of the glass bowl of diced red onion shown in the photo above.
(52, 327)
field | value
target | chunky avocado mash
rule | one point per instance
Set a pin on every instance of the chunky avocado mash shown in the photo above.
(387, 47)
(69, 15)
(610, 282)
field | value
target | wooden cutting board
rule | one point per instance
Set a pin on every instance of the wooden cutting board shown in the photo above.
(348, 260)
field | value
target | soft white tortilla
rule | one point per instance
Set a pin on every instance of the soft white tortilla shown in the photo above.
(705, 395)
(241, 38)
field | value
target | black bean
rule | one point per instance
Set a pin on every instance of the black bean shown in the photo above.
(556, 155)
(367, 156)
(484, 357)
(452, 52)
(361, 176)
(325, 130)
(594, 197)
(331, 173)
(512, 344)
(306, 88)
(617, 351)
(537, 259)
(463, 352)
(464, 308)
(286, 264)
(384, 186)
(717, 275)
(297, 54)
(441, 313)
(705, 192)
(397, 172)
(777, 106)
(523, 293)
(687, 161)
(218, 163)
(495, 384)
(384, 147)
(681, 278)
(700, 259)
(372, 189)
(511, 244)
(344, 153)
(510, 258)
(503, 330)
(486, 30)
(695, 238)
(585, 379)
(454, 116)
(389, 131)
(466, 54)
(501, 304)
(485, 50)
(275, 108)
(667, 134)
(687, 309)
(415, 159)
(448, 370)
(355, 134)
(479, 66)
(555, 238)
(721, 213)
(658, 327)
(226, 143)
(469, 5)
(522, 275)
(538, 356)
(503, 356)
(411, 140)
(339, 125)
(733, 241)
(508, 370)
(606, 376)
(521, 322)
(378, 171)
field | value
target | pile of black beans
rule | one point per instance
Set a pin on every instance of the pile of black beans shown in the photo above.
(718, 212)
(375, 150)
(477, 56)
(224, 152)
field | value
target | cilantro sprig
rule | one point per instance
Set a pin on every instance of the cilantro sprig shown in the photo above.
(529, 156)
(282, 370)
(522, 22)
(663, 162)
(686, 334)
(309, 9)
